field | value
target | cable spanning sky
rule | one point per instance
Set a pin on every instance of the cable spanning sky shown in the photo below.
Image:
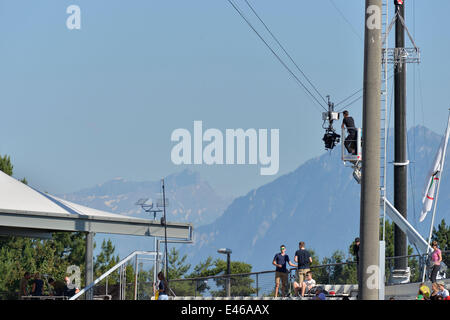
(83, 106)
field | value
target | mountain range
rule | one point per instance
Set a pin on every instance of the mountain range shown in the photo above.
(190, 199)
(318, 203)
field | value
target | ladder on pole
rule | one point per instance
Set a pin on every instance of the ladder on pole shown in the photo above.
(383, 108)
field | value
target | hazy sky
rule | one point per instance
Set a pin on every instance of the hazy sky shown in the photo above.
(80, 107)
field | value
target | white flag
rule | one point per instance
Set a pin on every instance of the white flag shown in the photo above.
(433, 177)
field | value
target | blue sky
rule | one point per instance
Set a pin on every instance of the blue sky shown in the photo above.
(80, 107)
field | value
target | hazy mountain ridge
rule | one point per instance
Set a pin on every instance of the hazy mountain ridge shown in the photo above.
(190, 198)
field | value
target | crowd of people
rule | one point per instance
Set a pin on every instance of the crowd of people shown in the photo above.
(438, 288)
(305, 285)
(35, 287)
(438, 292)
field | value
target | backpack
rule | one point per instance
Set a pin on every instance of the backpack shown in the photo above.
(315, 289)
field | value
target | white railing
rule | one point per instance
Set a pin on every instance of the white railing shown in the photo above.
(117, 266)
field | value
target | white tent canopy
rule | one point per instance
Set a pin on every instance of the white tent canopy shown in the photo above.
(29, 212)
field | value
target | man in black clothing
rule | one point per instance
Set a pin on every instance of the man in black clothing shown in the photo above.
(303, 259)
(356, 254)
(281, 273)
(350, 141)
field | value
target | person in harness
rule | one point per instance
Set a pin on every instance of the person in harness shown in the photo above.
(350, 141)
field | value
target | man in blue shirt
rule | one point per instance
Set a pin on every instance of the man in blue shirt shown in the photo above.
(304, 260)
(281, 272)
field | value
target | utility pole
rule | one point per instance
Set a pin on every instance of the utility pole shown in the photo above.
(370, 182)
(89, 277)
(165, 230)
(400, 153)
(228, 279)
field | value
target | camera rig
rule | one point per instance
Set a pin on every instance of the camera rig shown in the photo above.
(330, 138)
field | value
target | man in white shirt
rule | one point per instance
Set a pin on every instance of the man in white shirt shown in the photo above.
(308, 284)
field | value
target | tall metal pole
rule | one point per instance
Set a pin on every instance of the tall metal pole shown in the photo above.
(165, 230)
(228, 273)
(156, 263)
(400, 153)
(136, 266)
(370, 182)
(89, 264)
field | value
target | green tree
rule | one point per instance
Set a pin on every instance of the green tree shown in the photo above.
(6, 165)
(177, 270)
(145, 280)
(320, 274)
(106, 259)
(442, 236)
(239, 285)
(177, 265)
(202, 269)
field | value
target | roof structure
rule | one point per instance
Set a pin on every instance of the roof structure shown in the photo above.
(25, 211)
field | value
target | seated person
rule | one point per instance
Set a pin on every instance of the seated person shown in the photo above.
(308, 284)
(58, 287)
(70, 289)
(320, 294)
(424, 292)
(443, 292)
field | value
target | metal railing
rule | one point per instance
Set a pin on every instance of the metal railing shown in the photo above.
(122, 286)
(44, 298)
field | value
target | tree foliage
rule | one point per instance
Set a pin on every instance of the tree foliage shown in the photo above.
(442, 236)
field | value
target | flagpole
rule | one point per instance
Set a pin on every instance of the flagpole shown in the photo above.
(441, 167)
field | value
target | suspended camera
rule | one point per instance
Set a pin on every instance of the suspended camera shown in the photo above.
(331, 138)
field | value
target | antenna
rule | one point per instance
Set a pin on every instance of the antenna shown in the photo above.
(141, 202)
(149, 206)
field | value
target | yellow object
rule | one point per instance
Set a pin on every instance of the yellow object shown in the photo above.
(156, 295)
(425, 290)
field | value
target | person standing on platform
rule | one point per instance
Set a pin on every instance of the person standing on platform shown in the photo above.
(350, 141)
(355, 251)
(37, 288)
(23, 290)
(163, 287)
(436, 258)
(303, 259)
(281, 273)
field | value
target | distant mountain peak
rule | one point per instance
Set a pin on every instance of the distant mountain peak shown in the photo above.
(184, 178)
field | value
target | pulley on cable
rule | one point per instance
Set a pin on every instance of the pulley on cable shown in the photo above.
(330, 138)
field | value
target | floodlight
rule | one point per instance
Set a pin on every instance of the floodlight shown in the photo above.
(224, 251)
